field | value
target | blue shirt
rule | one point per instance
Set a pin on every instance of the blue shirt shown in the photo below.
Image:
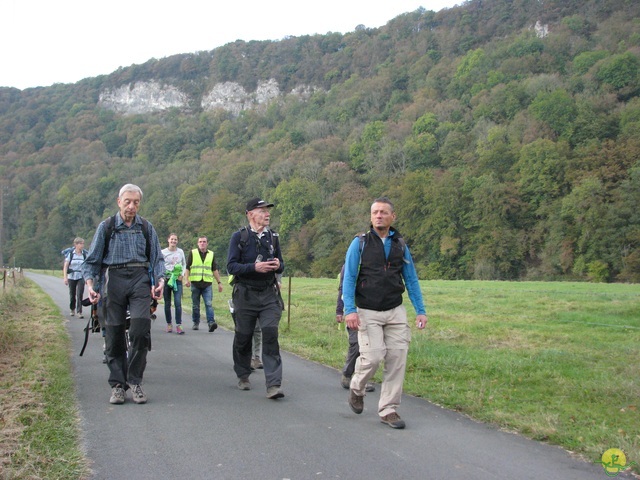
(352, 267)
(127, 245)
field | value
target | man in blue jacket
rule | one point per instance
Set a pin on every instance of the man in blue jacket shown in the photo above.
(378, 265)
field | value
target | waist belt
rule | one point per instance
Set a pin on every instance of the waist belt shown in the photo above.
(129, 265)
(256, 284)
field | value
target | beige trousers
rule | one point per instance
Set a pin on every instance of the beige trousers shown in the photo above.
(382, 337)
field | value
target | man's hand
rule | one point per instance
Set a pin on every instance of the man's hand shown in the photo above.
(353, 321)
(268, 266)
(339, 318)
(94, 296)
(421, 321)
(156, 292)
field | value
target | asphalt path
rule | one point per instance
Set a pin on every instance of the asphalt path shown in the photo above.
(198, 425)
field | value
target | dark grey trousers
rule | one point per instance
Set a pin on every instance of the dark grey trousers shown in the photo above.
(127, 289)
(352, 354)
(253, 306)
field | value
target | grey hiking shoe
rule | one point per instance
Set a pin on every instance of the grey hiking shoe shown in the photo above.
(356, 402)
(117, 395)
(244, 384)
(369, 387)
(393, 420)
(275, 392)
(256, 364)
(137, 394)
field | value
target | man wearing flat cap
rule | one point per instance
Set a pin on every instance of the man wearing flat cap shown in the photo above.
(254, 261)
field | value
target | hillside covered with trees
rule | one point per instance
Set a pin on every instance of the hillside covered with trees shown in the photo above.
(507, 132)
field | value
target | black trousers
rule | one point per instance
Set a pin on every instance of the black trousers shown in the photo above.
(76, 291)
(127, 289)
(263, 306)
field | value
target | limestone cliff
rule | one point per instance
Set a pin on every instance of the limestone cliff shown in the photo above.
(149, 97)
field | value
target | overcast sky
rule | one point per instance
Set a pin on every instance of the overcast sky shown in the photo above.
(43, 42)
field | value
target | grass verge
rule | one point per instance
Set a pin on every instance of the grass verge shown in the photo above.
(556, 362)
(39, 434)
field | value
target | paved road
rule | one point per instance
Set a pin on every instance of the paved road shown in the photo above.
(198, 425)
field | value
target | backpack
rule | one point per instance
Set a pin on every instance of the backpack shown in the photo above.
(244, 241)
(93, 323)
(110, 225)
(363, 242)
(69, 250)
(244, 238)
(84, 257)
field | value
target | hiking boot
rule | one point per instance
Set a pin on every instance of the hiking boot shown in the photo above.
(195, 326)
(244, 384)
(117, 395)
(137, 394)
(275, 392)
(356, 402)
(256, 364)
(212, 327)
(72, 313)
(393, 420)
(369, 387)
(169, 328)
(345, 382)
(179, 330)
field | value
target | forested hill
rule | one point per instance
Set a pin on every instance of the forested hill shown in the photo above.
(506, 132)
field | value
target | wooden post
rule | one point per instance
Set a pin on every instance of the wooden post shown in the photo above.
(289, 305)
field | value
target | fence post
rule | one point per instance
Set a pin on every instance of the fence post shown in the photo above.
(289, 305)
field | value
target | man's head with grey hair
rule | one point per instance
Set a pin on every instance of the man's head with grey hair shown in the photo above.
(130, 187)
(129, 201)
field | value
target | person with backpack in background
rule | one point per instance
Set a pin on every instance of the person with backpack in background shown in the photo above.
(72, 275)
(378, 266)
(199, 274)
(254, 260)
(126, 259)
(175, 264)
(354, 351)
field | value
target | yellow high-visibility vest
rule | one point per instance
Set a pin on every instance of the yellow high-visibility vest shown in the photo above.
(201, 271)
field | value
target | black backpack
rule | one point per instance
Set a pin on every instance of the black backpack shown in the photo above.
(110, 225)
(244, 241)
(364, 237)
(93, 324)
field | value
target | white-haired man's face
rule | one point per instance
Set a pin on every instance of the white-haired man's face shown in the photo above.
(129, 203)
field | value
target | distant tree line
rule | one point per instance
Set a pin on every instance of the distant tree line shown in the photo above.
(511, 152)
